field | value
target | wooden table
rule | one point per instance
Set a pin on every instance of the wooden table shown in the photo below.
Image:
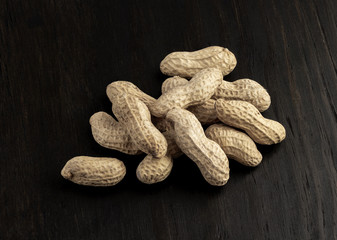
(56, 59)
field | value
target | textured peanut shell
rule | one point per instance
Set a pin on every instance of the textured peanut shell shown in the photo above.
(172, 147)
(207, 154)
(120, 87)
(153, 170)
(244, 115)
(205, 112)
(236, 144)
(172, 82)
(134, 116)
(187, 64)
(197, 91)
(94, 171)
(109, 133)
(244, 89)
(167, 130)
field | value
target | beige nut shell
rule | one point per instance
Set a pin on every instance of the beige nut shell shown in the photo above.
(244, 115)
(187, 64)
(153, 170)
(109, 133)
(121, 87)
(197, 91)
(246, 90)
(205, 112)
(172, 82)
(207, 154)
(236, 144)
(94, 171)
(136, 118)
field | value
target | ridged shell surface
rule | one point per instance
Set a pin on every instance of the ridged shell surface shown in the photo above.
(236, 144)
(153, 170)
(197, 91)
(94, 171)
(172, 82)
(205, 112)
(246, 90)
(109, 133)
(207, 154)
(133, 114)
(244, 115)
(187, 64)
(120, 87)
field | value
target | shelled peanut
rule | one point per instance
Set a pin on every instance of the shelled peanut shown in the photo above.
(167, 127)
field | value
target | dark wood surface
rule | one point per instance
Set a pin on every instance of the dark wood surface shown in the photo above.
(57, 57)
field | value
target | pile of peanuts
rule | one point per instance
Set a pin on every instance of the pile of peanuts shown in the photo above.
(172, 125)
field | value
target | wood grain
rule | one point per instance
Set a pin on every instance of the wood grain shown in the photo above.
(57, 57)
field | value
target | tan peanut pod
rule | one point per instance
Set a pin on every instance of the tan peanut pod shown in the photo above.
(244, 115)
(94, 171)
(172, 147)
(167, 130)
(205, 112)
(134, 116)
(187, 64)
(198, 90)
(109, 133)
(120, 87)
(236, 144)
(153, 170)
(172, 82)
(246, 90)
(207, 154)
(162, 124)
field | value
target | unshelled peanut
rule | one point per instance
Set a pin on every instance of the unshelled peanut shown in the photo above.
(152, 170)
(121, 87)
(172, 82)
(244, 115)
(207, 154)
(246, 90)
(236, 144)
(198, 90)
(187, 64)
(94, 171)
(109, 133)
(136, 118)
(204, 112)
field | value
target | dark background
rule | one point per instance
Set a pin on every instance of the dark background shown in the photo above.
(56, 59)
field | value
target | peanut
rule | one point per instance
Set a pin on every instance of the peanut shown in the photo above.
(236, 144)
(152, 170)
(205, 112)
(136, 118)
(207, 154)
(246, 90)
(120, 87)
(187, 64)
(198, 90)
(244, 115)
(109, 133)
(172, 82)
(173, 149)
(93, 171)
